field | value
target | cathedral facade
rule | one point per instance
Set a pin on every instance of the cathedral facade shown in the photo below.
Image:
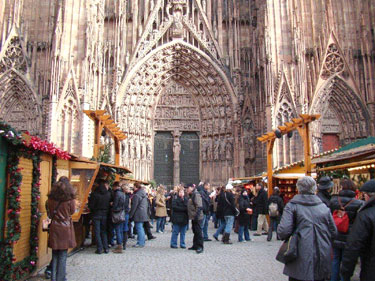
(192, 83)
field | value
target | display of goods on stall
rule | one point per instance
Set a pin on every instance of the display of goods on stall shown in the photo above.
(288, 188)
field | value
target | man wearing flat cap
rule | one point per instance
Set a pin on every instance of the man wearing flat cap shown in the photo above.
(324, 190)
(361, 240)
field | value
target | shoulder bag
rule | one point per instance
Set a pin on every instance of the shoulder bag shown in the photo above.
(47, 222)
(237, 212)
(288, 251)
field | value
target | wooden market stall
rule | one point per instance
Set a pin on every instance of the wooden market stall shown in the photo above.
(83, 173)
(28, 168)
(286, 179)
(355, 160)
(26, 177)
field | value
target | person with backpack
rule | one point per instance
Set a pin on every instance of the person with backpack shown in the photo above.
(361, 239)
(344, 208)
(275, 210)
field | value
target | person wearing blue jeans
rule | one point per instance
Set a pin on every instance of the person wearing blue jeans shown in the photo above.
(227, 208)
(206, 219)
(206, 202)
(160, 224)
(139, 213)
(220, 229)
(141, 237)
(59, 264)
(244, 216)
(180, 218)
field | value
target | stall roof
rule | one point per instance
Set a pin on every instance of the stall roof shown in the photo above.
(364, 148)
(134, 180)
(86, 160)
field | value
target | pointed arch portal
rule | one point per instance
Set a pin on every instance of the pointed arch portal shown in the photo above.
(208, 107)
(336, 98)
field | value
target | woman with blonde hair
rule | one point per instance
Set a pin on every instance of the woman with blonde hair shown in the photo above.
(161, 209)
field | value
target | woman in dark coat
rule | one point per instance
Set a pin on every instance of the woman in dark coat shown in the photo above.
(244, 217)
(117, 208)
(311, 219)
(61, 207)
(228, 209)
(180, 218)
(219, 213)
(346, 198)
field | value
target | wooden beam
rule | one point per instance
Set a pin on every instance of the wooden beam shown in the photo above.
(104, 117)
(347, 165)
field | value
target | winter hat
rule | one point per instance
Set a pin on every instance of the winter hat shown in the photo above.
(229, 186)
(368, 186)
(325, 183)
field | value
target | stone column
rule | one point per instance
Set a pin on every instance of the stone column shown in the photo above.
(176, 156)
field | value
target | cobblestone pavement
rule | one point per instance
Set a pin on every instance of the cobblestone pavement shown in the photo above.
(253, 261)
(157, 261)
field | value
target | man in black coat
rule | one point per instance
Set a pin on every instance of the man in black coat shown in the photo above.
(324, 190)
(99, 207)
(261, 209)
(361, 240)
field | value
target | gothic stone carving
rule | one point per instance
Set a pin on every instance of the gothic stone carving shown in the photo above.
(333, 62)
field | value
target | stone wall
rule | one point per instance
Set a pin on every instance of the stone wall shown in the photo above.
(247, 66)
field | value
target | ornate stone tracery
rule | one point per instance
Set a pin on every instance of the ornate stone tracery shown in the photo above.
(13, 57)
(333, 63)
(18, 104)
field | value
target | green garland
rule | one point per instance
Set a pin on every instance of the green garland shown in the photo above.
(8, 269)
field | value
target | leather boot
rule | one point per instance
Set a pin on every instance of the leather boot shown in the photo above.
(226, 239)
(125, 240)
(118, 249)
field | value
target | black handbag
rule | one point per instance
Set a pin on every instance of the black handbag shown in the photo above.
(288, 251)
(118, 217)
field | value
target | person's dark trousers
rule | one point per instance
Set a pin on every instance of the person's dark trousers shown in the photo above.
(198, 235)
(254, 222)
(100, 228)
(274, 221)
(147, 228)
(336, 262)
(110, 231)
(119, 232)
(59, 264)
(125, 240)
(86, 224)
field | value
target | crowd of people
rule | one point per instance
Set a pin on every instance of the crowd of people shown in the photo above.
(328, 249)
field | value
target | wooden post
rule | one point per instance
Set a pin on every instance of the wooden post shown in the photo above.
(98, 133)
(270, 144)
(305, 135)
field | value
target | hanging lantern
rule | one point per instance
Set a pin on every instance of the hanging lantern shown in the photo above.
(290, 134)
(278, 133)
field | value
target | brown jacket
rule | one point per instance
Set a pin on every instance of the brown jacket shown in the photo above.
(161, 209)
(195, 204)
(61, 232)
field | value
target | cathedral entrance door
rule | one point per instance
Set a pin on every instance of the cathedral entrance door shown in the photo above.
(163, 158)
(189, 158)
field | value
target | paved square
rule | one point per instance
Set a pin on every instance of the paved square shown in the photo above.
(157, 261)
